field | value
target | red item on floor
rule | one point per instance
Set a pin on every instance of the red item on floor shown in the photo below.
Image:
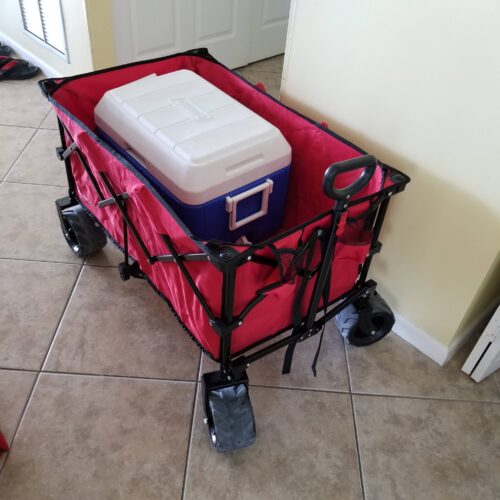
(260, 86)
(16, 69)
(3, 443)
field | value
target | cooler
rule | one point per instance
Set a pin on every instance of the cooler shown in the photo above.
(222, 168)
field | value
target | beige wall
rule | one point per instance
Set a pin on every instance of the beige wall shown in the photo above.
(75, 19)
(418, 85)
(100, 23)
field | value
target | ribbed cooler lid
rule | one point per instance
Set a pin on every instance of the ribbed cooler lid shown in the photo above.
(206, 129)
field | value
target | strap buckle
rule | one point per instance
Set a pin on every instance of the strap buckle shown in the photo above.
(232, 204)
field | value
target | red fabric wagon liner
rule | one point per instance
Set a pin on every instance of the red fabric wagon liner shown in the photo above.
(314, 149)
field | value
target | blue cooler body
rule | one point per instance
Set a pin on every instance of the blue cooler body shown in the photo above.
(223, 169)
(210, 220)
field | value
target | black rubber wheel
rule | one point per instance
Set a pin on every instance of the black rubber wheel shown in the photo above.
(381, 321)
(231, 422)
(80, 231)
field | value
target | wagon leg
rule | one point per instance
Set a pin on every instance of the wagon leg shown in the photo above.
(228, 409)
(82, 234)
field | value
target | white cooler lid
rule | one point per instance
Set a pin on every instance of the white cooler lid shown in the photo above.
(197, 140)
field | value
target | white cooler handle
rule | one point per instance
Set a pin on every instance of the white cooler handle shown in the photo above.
(232, 204)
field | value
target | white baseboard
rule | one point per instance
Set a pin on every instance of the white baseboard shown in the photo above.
(426, 344)
(47, 70)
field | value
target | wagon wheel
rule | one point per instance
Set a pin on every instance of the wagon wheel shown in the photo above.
(80, 231)
(230, 418)
(366, 321)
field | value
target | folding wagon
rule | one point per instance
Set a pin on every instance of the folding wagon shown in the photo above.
(238, 302)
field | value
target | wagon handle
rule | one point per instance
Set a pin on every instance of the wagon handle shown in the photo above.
(367, 162)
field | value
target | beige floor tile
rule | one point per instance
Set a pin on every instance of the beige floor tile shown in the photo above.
(305, 449)
(109, 256)
(394, 367)
(38, 163)
(22, 103)
(14, 139)
(50, 121)
(100, 438)
(32, 299)
(272, 64)
(15, 388)
(331, 367)
(29, 225)
(113, 327)
(422, 449)
(271, 80)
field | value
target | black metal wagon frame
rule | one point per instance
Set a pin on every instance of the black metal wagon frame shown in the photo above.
(227, 388)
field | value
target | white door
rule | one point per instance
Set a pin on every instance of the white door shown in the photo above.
(145, 29)
(485, 357)
(222, 26)
(268, 30)
(235, 31)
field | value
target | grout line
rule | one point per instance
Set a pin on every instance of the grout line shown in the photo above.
(27, 370)
(65, 308)
(191, 429)
(304, 389)
(424, 398)
(11, 444)
(42, 261)
(44, 118)
(358, 452)
(260, 386)
(35, 183)
(19, 155)
(356, 437)
(37, 378)
(89, 264)
(19, 126)
(127, 377)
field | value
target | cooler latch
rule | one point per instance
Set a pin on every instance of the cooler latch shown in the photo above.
(232, 204)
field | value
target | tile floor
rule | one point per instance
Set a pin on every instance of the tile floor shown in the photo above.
(98, 383)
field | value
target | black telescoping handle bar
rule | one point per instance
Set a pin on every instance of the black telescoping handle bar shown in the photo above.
(367, 162)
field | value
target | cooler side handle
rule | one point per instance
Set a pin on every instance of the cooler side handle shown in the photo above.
(232, 204)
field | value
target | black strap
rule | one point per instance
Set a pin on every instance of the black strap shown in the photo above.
(316, 356)
(326, 298)
(297, 315)
(287, 361)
